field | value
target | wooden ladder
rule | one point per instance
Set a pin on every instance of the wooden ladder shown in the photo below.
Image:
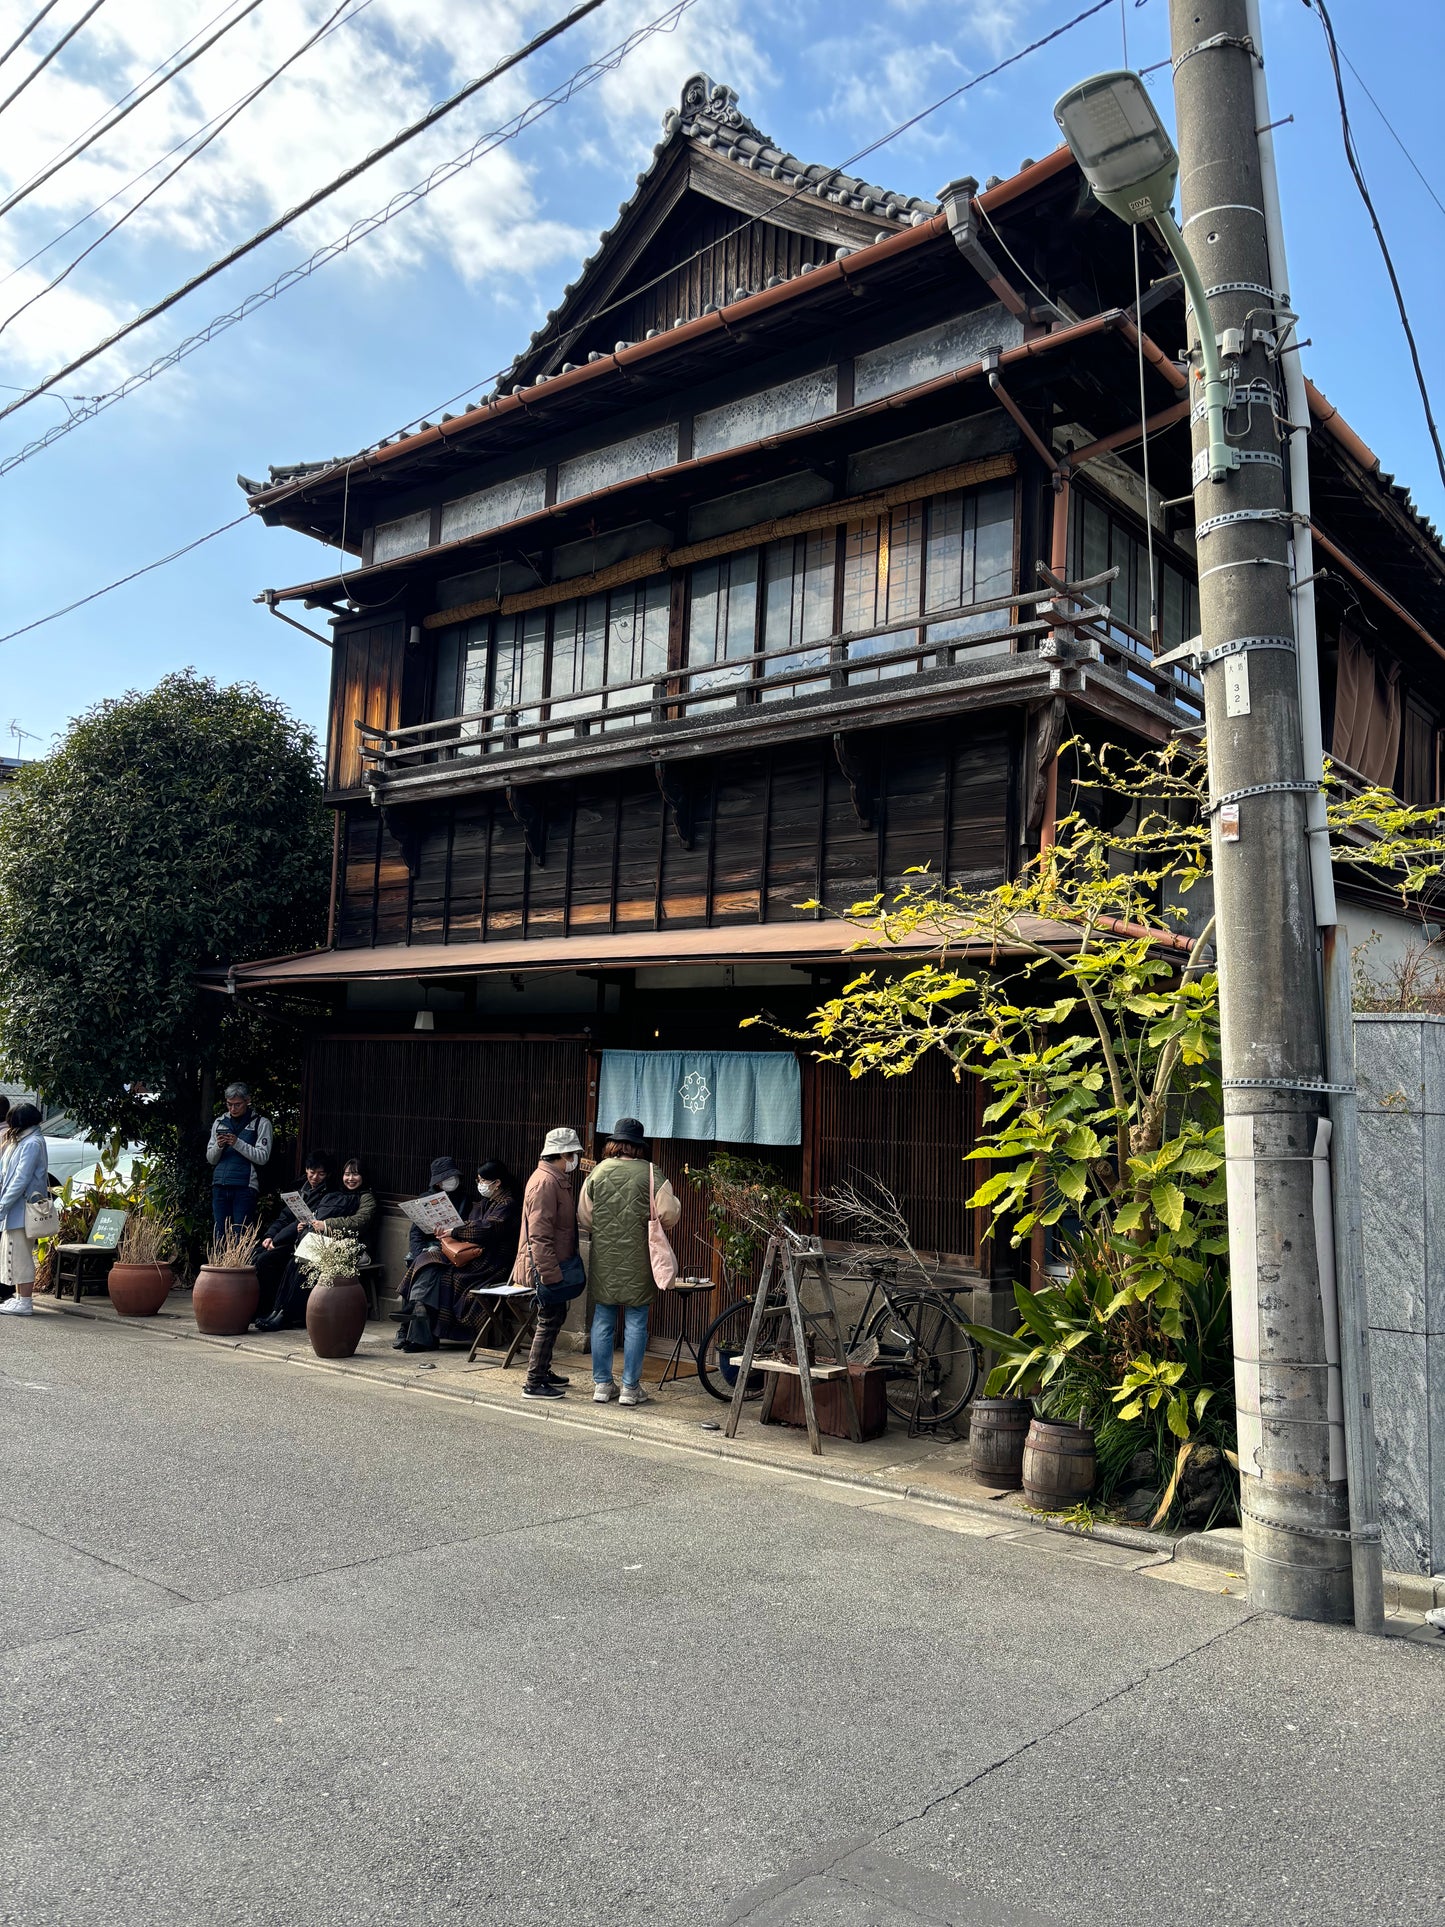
(788, 1262)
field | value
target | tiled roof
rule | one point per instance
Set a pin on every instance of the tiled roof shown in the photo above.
(708, 113)
(286, 472)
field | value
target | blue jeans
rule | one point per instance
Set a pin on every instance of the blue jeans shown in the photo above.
(604, 1340)
(233, 1204)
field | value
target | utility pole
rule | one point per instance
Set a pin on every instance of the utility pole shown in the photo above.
(1296, 1515)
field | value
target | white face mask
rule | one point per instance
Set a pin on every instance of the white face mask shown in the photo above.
(486, 1187)
(572, 1162)
(450, 1184)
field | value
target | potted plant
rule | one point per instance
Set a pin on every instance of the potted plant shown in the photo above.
(143, 1275)
(226, 1290)
(336, 1302)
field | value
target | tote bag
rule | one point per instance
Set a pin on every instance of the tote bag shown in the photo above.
(659, 1249)
(42, 1218)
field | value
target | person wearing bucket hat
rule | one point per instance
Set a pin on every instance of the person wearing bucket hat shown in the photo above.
(617, 1204)
(547, 1259)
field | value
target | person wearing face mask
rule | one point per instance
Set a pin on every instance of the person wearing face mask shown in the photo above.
(547, 1259)
(428, 1289)
(617, 1204)
(446, 1177)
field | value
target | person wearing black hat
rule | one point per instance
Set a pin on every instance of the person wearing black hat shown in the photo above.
(615, 1207)
(428, 1287)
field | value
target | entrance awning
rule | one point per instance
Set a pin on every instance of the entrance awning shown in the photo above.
(829, 941)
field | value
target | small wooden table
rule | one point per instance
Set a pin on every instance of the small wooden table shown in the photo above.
(500, 1295)
(688, 1290)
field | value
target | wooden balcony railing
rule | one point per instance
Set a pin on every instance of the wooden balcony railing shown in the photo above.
(1060, 625)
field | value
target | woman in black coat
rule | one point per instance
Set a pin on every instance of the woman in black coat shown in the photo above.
(435, 1290)
(277, 1268)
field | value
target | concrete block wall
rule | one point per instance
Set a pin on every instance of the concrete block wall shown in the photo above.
(1400, 1071)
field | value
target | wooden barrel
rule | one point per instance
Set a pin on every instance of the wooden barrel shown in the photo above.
(1059, 1465)
(997, 1428)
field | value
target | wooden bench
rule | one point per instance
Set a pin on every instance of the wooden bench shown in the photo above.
(96, 1255)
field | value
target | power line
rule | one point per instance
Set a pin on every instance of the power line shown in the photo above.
(138, 99)
(120, 582)
(45, 60)
(135, 179)
(218, 129)
(344, 179)
(26, 32)
(632, 40)
(1354, 160)
(1364, 89)
(635, 289)
(584, 77)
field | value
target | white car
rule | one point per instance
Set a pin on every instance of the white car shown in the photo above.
(77, 1157)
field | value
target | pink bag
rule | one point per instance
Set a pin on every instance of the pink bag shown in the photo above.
(664, 1258)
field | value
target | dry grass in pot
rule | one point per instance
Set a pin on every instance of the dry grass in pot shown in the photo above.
(147, 1240)
(235, 1249)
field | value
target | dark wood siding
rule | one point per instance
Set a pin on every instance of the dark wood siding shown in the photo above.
(400, 1102)
(770, 830)
(366, 678)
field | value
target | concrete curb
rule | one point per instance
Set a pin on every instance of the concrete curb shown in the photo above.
(1222, 1547)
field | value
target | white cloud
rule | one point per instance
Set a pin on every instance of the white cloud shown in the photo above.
(505, 221)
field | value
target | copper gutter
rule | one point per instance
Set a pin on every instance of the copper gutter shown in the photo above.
(726, 319)
(1110, 321)
(1382, 595)
(1330, 419)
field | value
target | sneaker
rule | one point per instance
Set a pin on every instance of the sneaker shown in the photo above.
(556, 1378)
(543, 1391)
(634, 1395)
(18, 1307)
(603, 1390)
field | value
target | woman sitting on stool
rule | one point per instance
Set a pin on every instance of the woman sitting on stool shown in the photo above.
(428, 1292)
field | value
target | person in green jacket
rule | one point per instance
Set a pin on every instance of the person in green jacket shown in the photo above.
(614, 1207)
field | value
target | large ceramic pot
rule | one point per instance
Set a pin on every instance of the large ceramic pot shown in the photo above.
(1059, 1465)
(224, 1299)
(997, 1428)
(336, 1316)
(139, 1291)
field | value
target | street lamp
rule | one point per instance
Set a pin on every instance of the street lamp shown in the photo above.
(1128, 159)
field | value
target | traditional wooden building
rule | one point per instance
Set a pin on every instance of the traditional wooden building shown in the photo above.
(730, 599)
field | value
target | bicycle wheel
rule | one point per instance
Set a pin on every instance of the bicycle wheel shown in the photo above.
(931, 1361)
(721, 1343)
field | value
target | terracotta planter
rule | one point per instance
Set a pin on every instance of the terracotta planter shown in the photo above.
(997, 1428)
(224, 1299)
(139, 1291)
(336, 1317)
(1059, 1465)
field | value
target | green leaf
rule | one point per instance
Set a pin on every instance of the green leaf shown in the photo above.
(1179, 1416)
(1168, 1202)
(1129, 1216)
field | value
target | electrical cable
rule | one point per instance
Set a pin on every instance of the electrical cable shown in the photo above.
(584, 77)
(204, 128)
(218, 129)
(282, 221)
(1353, 158)
(25, 32)
(350, 461)
(1364, 89)
(145, 569)
(1144, 438)
(635, 289)
(45, 59)
(127, 105)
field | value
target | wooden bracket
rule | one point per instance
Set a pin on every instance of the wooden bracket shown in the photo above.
(404, 827)
(533, 822)
(861, 784)
(677, 798)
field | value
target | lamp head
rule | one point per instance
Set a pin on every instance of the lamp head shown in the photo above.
(1120, 143)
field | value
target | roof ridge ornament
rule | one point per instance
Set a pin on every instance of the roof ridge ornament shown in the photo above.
(704, 98)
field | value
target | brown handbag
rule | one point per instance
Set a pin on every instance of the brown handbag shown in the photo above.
(458, 1252)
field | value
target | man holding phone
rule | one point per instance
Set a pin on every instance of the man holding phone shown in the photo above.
(240, 1146)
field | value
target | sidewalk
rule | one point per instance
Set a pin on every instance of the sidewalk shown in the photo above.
(929, 1474)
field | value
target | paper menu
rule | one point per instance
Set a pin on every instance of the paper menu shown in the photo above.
(434, 1213)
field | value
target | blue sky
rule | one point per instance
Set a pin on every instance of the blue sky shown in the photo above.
(442, 298)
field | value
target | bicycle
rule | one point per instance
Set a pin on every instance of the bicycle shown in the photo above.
(917, 1333)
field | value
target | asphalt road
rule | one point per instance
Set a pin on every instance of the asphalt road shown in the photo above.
(282, 1647)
